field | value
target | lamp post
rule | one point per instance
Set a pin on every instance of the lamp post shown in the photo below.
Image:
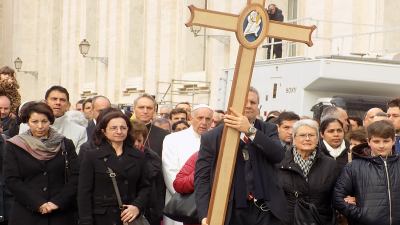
(84, 47)
(18, 66)
(225, 39)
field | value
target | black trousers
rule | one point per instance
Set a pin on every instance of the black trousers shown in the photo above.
(253, 216)
(277, 49)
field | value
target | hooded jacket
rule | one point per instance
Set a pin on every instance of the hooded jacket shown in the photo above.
(375, 183)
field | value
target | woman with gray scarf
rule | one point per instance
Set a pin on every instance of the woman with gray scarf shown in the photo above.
(41, 171)
(308, 177)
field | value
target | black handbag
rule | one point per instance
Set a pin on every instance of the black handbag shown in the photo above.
(305, 213)
(140, 220)
(182, 208)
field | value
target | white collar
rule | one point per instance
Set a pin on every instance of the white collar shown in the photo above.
(193, 132)
(335, 152)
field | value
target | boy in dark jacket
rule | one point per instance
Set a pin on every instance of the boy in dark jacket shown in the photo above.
(373, 179)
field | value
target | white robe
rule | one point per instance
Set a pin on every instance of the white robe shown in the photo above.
(177, 149)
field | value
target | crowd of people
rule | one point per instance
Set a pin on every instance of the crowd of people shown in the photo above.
(94, 164)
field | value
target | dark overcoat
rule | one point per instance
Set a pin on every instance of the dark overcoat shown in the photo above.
(97, 201)
(267, 152)
(375, 183)
(341, 160)
(34, 182)
(316, 188)
(6, 198)
(90, 130)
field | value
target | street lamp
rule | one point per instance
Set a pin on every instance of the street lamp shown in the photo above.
(195, 30)
(84, 49)
(225, 39)
(18, 66)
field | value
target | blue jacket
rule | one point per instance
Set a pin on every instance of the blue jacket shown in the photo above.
(375, 183)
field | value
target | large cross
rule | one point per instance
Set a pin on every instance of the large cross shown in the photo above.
(252, 26)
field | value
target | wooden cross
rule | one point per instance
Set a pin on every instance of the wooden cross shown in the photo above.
(252, 26)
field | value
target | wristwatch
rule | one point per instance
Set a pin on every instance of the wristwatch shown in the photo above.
(251, 131)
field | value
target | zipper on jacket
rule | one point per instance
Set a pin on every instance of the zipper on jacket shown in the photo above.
(389, 195)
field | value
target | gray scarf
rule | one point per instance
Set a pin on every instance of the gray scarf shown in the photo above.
(305, 164)
(39, 148)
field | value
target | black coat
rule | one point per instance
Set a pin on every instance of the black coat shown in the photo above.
(97, 201)
(366, 178)
(155, 142)
(155, 138)
(156, 201)
(268, 151)
(316, 188)
(6, 198)
(90, 130)
(341, 160)
(277, 16)
(85, 147)
(34, 182)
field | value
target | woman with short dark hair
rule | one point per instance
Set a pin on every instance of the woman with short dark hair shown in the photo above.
(97, 199)
(41, 171)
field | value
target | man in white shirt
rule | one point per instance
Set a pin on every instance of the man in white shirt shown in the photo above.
(179, 146)
(57, 98)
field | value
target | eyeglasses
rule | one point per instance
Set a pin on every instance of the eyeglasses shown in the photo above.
(115, 128)
(305, 136)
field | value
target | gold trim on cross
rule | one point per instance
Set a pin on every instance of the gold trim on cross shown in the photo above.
(251, 26)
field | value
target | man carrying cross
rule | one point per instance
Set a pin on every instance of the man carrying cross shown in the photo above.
(255, 196)
(251, 27)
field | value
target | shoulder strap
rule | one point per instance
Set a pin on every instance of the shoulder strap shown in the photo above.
(114, 182)
(66, 161)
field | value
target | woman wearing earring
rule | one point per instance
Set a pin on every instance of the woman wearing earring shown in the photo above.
(97, 199)
(307, 175)
(41, 171)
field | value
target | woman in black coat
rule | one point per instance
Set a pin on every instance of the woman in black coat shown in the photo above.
(41, 171)
(97, 200)
(307, 174)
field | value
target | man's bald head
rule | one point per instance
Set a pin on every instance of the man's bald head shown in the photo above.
(369, 116)
(100, 103)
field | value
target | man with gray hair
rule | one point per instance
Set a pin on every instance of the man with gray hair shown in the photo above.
(179, 146)
(336, 112)
(256, 197)
(144, 108)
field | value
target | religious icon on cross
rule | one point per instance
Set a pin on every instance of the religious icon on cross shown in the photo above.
(251, 27)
